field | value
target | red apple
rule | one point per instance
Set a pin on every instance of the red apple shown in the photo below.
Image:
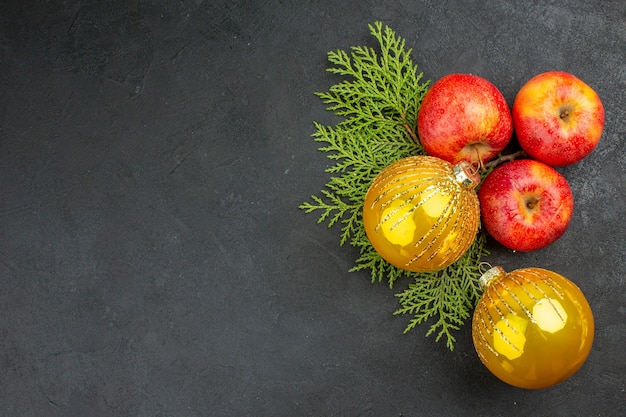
(558, 119)
(525, 204)
(464, 117)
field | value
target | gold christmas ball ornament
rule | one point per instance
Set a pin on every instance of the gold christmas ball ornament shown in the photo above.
(532, 328)
(421, 213)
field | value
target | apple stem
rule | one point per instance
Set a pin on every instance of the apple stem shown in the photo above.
(481, 164)
(532, 202)
(503, 158)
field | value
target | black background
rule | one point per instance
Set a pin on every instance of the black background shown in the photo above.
(153, 261)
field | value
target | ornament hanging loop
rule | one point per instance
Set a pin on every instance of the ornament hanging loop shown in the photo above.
(484, 266)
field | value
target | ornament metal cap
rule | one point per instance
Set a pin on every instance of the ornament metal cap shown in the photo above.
(489, 276)
(466, 175)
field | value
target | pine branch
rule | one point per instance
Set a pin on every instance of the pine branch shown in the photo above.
(449, 295)
(379, 102)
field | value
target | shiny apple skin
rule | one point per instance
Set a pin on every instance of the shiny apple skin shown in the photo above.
(525, 204)
(464, 117)
(558, 118)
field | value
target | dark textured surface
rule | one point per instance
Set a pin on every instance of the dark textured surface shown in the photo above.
(153, 261)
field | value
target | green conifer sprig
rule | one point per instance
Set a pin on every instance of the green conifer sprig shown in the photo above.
(379, 101)
(448, 296)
